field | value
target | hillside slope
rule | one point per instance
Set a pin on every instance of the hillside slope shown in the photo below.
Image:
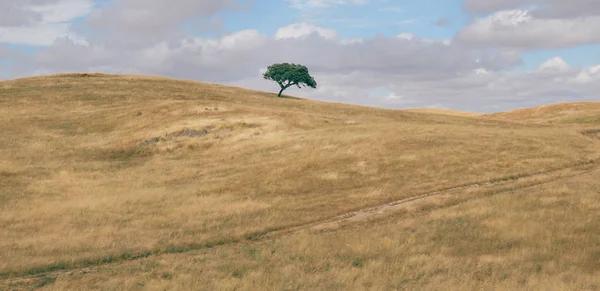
(444, 111)
(562, 113)
(79, 187)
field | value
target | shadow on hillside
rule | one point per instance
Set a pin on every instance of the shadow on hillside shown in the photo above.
(274, 95)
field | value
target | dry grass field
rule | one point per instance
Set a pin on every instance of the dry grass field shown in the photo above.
(444, 111)
(284, 193)
(562, 113)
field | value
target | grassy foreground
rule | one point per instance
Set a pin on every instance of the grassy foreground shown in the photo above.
(540, 238)
(76, 191)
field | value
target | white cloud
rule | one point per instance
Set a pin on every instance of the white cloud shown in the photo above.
(506, 19)
(63, 11)
(540, 8)
(353, 40)
(242, 40)
(38, 35)
(481, 71)
(408, 36)
(392, 96)
(298, 30)
(135, 24)
(532, 24)
(592, 74)
(53, 22)
(518, 30)
(556, 64)
(308, 4)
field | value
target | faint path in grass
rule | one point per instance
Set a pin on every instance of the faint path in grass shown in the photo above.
(330, 224)
(498, 186)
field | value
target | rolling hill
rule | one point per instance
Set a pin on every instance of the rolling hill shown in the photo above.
(112, 182)
(562, 113)
(444, 111)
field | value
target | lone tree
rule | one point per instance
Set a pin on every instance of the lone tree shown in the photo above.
(287, 75)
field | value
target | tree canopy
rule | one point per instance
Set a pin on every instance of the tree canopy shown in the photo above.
(287, 75)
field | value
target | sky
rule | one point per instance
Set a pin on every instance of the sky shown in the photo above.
(474, 55)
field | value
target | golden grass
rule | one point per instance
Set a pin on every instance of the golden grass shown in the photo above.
(562, 113)
(75, 189)
(444, 111)
(543, 237)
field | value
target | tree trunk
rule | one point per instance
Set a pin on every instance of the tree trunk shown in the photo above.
(281, 91)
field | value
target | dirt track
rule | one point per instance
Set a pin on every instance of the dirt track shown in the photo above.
(435, 197)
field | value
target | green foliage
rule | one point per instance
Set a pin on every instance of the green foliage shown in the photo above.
(358, 263)
(287, 75)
